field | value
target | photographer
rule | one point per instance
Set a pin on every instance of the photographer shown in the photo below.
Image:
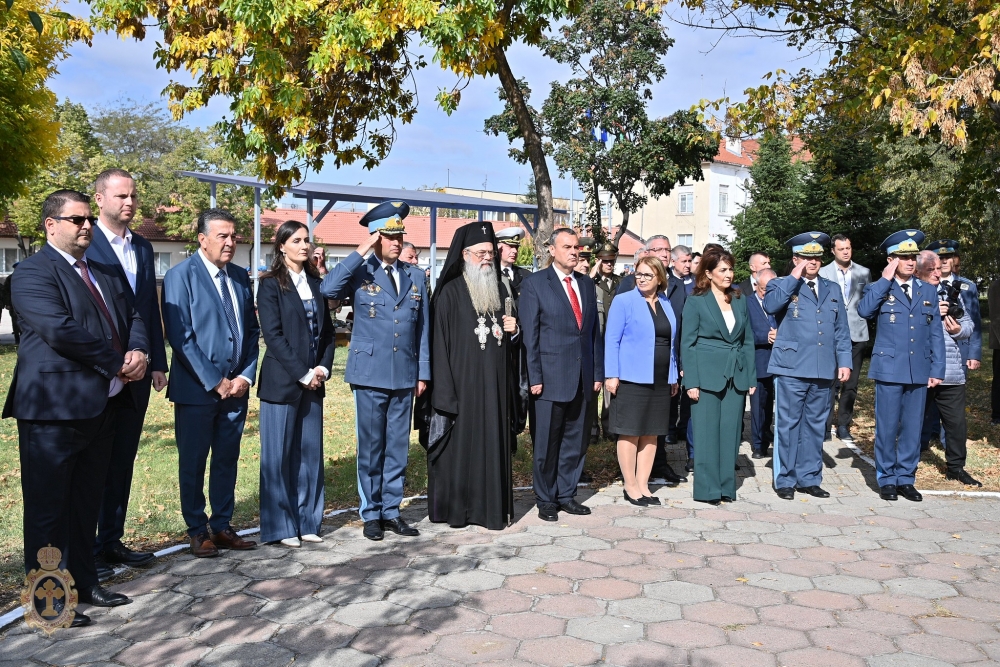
(949, 396)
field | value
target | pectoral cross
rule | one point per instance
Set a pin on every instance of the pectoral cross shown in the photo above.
(49, 592)
(482, 331)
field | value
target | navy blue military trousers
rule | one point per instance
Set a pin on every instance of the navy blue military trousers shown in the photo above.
(899, 418)
(762, 414)
(801, 407)
(383, 426)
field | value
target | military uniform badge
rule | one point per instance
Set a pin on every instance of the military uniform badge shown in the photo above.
(49, 599)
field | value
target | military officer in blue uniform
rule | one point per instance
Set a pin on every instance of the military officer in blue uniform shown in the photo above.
(811, 349)
(388, 360)
(908, 357)
(971, 348)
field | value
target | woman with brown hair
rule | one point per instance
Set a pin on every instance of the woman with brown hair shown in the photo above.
(640, 364)
(717, 351)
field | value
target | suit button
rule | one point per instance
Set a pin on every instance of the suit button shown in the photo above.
(911, 352)
(911, 340)
(394, 349)
(230, 340)
(911, 315)
(395, 335)
(820, 333)
(821, 344)
(396, 321)
(396, 308)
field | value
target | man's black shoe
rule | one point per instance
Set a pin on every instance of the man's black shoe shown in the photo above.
(909, 492)
(689, 466)
(756, 455)
(104, 570)
(80, 621)
(400, 527)
(888, 492)
(548, 514)
(786, 493)
(814, 491)
(573, 507)
(119, 553)
(373, 530)
(847, 437)
(964, 478)
(99, 596)
(586, 477)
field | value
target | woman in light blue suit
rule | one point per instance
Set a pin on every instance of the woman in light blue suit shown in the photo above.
(640, 364)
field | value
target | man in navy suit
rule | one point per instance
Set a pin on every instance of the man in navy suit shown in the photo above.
(907, 359)
(82, 343)
(131, 256)
(765, 329)
(211, 324)
(565, 353)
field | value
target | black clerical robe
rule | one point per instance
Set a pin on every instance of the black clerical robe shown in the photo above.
(469, 456)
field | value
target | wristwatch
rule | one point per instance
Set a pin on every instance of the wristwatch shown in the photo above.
(149, 359)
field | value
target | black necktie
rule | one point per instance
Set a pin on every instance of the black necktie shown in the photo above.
(392, 281)
(506, 272)
(812, 286)
(906, 290)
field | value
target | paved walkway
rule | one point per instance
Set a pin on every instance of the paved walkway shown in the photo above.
(850, 580)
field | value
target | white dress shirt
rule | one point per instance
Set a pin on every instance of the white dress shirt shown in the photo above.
(908, 282)
(116, 382)
(395, 273)
(213, 272)
(305, 293)
(844, 278)
(124, 251)
(562, 281)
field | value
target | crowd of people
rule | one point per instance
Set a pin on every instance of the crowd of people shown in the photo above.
(668, 353)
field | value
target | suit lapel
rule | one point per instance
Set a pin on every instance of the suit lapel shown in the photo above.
(823, 290)
(104, 254)
(202, 275)
(720, 321)
(404, 286)
(560, 291)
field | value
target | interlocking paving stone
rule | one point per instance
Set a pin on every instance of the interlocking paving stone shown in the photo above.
(924, 588)
(237, 631)
(212, 584)
(372, 614)
(303, 610)
(341, 657)
(400, 642)
(248, 655)
(679, 592)
(159, 627)
(74, 651)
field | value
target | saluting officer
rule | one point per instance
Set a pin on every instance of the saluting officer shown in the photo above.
(811, 349)
(388, 359)
(508, 243)
(511, 275)
(908, 357)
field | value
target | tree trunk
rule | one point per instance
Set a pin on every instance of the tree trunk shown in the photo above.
(624, 226)
(536, 154)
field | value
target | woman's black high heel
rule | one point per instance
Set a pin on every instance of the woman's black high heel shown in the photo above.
(641, 501)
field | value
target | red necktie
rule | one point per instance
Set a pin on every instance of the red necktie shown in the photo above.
(101, 306)
(573, 301)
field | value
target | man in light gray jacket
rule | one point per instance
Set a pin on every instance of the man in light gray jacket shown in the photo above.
(852, 279)
(949, 396)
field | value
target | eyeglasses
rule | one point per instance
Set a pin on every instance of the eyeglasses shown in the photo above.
(644, 277)
(481, 254)
(77, 220)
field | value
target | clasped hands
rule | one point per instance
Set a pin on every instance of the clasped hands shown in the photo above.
(134, 367)
(228, 388)
(611, 386)
(318, 378)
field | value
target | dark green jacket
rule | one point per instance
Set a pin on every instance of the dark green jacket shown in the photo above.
(711, 354)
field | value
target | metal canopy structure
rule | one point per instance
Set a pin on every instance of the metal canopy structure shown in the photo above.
(330, 194)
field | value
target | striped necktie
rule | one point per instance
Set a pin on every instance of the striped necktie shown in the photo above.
(230, 310)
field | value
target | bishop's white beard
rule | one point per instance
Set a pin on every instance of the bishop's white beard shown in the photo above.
(483, 287)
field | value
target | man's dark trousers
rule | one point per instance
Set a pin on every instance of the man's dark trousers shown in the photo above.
(762, 414)
(995, 397)
(118, 486)
(949, 399)
(62, 463)
(559, 449)
(217, 428)
(844, 394)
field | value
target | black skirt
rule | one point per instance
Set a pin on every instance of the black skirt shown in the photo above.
(644, 409)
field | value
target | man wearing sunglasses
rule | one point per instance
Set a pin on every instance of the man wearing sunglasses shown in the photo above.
(82, 343)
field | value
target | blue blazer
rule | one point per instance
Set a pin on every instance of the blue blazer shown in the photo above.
(560, 355)
(66, 361)
(814, 337)
(390, 341)
(909, 341)
(198, 331)
(630, 339)
(760, 322)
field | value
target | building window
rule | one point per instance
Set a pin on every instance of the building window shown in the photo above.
(10, 257)
(685, 239)
(334, 260)
(161, 262)
(685, 202)
(723, 200)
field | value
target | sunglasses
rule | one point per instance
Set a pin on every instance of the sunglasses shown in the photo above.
(77, 220)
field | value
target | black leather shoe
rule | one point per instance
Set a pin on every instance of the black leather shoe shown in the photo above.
(119, 553)
(756, 456)
(548, 514)
(964, 478)
(104, 570)
(373, 530)
(573, 507)
(99, 596)
(689, 466)
(80, 620)
(814, 491)
(709, 502)
(641, 501)
(888, 492)
(909, 492)
(400, 527)
(652, 500)
(786, 493)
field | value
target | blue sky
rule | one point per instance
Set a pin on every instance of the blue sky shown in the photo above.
(435, 143)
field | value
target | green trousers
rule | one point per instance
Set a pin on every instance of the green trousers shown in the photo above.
(717, 418)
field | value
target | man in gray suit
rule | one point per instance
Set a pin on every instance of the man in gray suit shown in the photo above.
(852, 279)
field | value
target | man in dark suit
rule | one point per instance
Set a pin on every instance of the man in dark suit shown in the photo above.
(131, 256)
(212, 328)
(565, 353)
(81, 343)
(765, 329)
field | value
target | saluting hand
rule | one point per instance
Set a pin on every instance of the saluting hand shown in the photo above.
(890, 269)
(797, 270)
(368, 243)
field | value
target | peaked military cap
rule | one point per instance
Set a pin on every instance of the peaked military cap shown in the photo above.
(809, 244)
(387, 217)
(903, 242)
(586, 245)
(511, 235)
(608, 251)
(945, 247)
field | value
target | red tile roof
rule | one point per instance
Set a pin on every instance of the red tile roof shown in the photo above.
(750, 148)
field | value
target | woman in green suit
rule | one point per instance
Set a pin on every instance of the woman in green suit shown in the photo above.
(717, 351)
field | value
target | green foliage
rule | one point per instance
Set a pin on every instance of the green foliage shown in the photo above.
(525, 253)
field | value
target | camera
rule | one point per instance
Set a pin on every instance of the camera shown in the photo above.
(953, 295)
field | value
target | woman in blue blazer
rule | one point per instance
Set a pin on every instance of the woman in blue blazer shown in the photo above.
(295, 321)
(717, 351)
(640, 364)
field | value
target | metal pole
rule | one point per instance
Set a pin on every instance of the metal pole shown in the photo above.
(211, 194)
(572, 218)
(256, 238)
(434, 246)
(309, 217)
